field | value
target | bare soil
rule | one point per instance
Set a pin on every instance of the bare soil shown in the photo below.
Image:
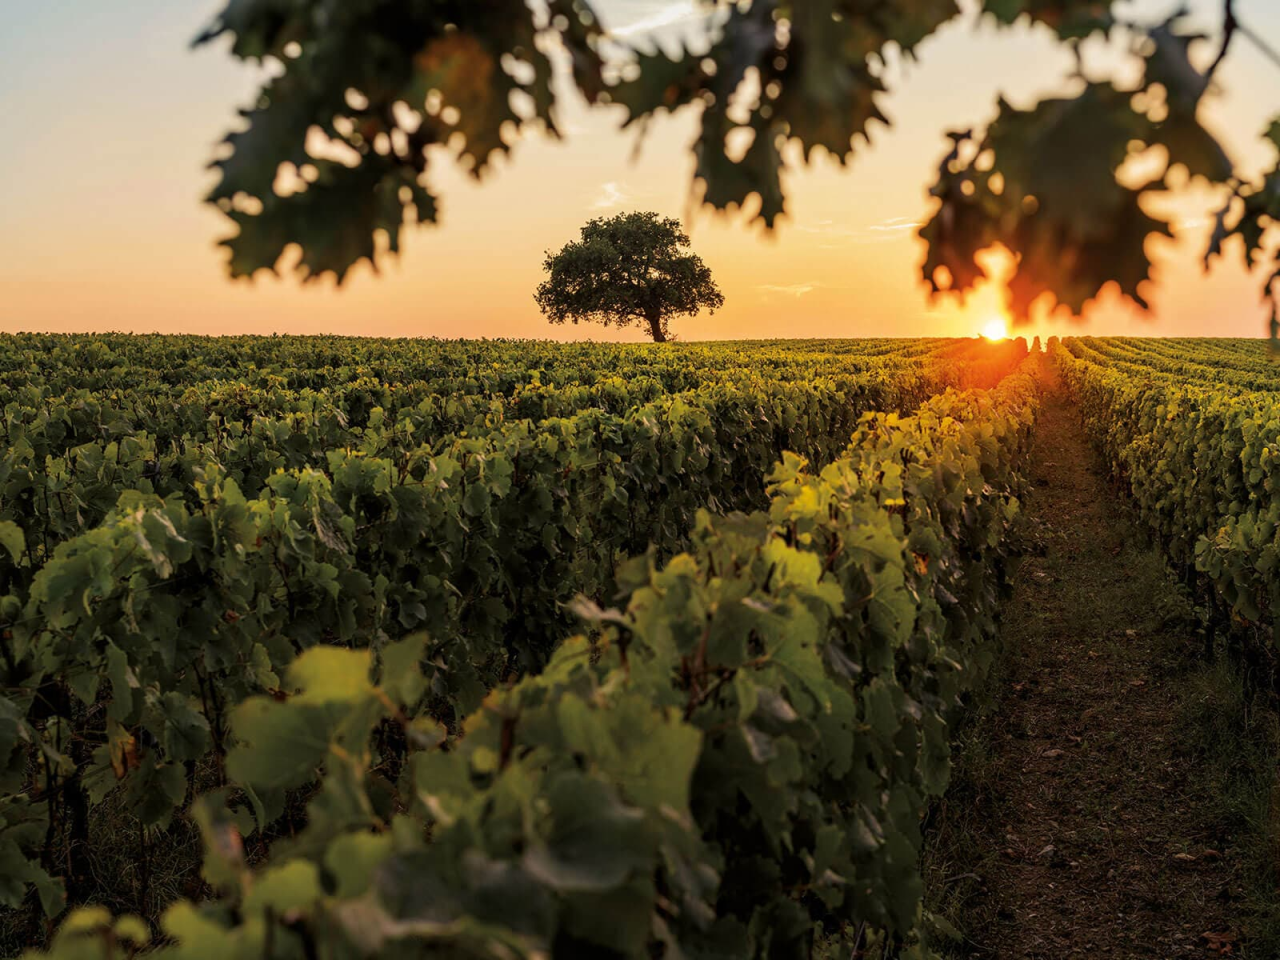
(1082, 824)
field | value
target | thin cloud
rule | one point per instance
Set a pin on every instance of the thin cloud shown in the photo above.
(896, 225)
(796, 290)
(883, 232)
(612, 195)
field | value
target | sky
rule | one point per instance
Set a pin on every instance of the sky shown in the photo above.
(112, 121)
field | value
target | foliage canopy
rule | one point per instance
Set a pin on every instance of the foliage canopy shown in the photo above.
(323, 613)
(630, 269)
(365, 87)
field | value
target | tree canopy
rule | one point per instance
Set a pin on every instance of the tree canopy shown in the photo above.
(364, 87)
(630, 269)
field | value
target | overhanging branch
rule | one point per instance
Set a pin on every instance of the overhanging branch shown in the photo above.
(1229, 26)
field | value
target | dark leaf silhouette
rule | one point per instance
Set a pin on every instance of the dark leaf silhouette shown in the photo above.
(366, 86)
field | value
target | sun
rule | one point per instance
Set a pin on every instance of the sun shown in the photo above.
(996, 329)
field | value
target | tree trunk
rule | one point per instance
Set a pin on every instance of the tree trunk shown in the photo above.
(655, 326)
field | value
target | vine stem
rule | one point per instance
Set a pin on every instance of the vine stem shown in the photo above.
(1229, 26)
(145, 855)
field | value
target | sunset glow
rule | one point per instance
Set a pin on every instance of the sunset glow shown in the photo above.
(124, 242)
(401, 353)
(997, 328)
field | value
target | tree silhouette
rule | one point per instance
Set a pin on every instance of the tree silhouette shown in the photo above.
(632, 269)
(377, 82)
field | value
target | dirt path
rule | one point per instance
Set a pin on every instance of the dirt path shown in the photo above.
(1092, 830)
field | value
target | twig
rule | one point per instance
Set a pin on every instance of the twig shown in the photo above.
(857, 941)
(1229, 26)
(145, 855)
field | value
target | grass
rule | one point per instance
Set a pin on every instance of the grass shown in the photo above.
(1234, 735)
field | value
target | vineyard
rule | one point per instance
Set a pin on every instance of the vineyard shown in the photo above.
(320, 647)
(489, 649)
(341, 646)
(1191, 430)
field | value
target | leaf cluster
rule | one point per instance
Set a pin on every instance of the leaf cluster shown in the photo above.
(362, 91)
(1192, 430)
(365, 88)
(743, 746)
(1046, 183)
(170, 551)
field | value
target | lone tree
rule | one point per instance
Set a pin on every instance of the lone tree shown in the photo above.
(630, 269)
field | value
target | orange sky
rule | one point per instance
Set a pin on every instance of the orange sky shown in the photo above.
(104, 229)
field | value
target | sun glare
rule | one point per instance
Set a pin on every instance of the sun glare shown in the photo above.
(996, 329)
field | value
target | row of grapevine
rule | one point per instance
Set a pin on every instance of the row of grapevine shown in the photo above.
(164, 365)
(1240, 365)
(1200, 455)
(170, 550)
(483, 531)
(56, 486)
(68, 455)
(738, 749)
